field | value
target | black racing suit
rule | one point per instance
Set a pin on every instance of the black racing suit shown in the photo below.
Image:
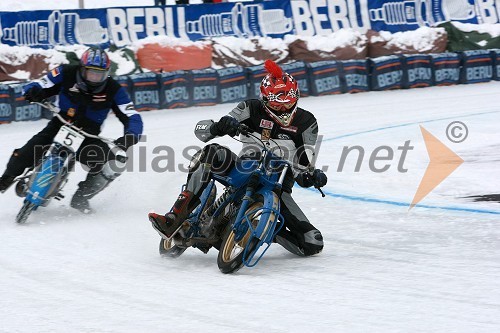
(297, 143)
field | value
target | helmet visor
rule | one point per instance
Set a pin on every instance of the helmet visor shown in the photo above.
(95, 75)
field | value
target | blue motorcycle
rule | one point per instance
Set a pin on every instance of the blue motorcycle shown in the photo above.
(244, 220)
(46, 180)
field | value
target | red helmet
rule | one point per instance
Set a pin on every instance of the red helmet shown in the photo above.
(280, 93)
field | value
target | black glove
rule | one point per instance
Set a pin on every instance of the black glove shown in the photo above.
(35, 94)
(125, 142)
(226, 125)
(317, 179)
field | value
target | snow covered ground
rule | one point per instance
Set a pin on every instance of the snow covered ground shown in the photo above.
(434, 268)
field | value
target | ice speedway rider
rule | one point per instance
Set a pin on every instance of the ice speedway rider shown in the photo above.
(277, 120)
(85, 95)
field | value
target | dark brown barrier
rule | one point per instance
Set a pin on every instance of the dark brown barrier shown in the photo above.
(35, 66)
(378, 47)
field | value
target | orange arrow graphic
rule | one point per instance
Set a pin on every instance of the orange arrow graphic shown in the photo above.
(443, 161)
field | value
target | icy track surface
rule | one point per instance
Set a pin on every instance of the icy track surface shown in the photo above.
(383, 269)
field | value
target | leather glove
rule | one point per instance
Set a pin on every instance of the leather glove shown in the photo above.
(125, 142)
(226, 125)
(317, 179)
(34, 94)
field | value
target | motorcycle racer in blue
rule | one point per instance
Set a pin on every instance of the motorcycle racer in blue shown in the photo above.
(85, 94)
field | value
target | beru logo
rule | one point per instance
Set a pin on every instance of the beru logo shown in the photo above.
(5, 110)
(147, 97)
(28, 112)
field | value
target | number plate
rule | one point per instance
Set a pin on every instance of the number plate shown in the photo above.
(69, 138)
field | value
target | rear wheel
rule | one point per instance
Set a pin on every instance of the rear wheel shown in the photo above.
(25, 211)
(232, 250)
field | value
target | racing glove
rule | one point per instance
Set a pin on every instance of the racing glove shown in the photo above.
(317, 179)
(226, 125)
(35, 94)
(126, 141)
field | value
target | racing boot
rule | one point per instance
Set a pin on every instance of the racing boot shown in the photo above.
(93, 184)
(167, 225)
(6, 182)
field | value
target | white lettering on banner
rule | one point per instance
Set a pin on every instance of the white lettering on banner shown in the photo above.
(28, 112)
(479, 73)
(176, 94)
(327, 84)
(206, 92)
(232, 93)
(133, 27)
(146, 97)
(5, 110)
(302, 85)
(337, 11)
(302, 18)
(310, 18)
(117, 24)
(319, 18)
(487, 11)
(356, 80)
(415, 74)
(155, 21)
(388, 79)
(447, 74)
(125, 29)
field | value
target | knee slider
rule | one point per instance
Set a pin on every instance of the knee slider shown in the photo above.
(313, 242)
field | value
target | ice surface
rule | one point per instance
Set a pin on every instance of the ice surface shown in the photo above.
(383, 269)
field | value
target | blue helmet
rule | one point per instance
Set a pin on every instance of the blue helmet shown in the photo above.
(95, 66)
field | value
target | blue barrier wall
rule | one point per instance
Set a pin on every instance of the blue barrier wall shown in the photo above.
(151, 91)
(5, 104)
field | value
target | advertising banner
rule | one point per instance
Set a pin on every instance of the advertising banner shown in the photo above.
(145, 91)
(46, 28)
(175, 89)
(324, 78)
(322, 17)
(5, 104)
(245, 20)
(477, 66)
(125, 25)
(418, 68)
(233, 84)
(205, 87)
(446, 67)
(387, 73)
(356, 76)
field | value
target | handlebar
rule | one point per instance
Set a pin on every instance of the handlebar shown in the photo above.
(52, 108)
(245, 131)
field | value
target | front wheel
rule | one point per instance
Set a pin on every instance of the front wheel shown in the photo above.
(25, 212)
(232, 251)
